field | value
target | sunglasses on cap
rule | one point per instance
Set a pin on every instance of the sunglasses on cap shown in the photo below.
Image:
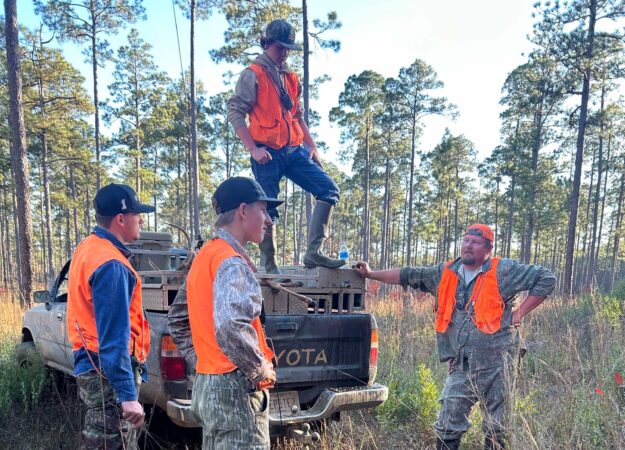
(481, 233)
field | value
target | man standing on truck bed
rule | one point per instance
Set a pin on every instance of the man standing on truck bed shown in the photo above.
(474, 319)
(234, 363)
(105, 323)
(279, 141)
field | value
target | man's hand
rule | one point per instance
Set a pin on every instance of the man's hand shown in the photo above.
(260, 155)
(268, 382)
(132, 411)
(362, 267)
(313, 154)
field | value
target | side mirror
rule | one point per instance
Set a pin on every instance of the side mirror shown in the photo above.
(42, 297)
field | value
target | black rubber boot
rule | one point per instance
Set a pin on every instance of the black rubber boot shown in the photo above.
(317, 234)
(447, 444)
(268, 250)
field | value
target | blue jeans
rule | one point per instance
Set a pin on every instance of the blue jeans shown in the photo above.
(294, 163)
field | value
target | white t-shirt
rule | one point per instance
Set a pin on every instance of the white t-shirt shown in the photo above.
(468, 275)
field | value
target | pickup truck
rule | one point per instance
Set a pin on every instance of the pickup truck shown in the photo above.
(325, 342)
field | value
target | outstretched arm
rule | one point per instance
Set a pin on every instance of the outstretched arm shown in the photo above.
(390, 276)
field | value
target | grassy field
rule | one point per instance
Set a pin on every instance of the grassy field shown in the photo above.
(567, 393)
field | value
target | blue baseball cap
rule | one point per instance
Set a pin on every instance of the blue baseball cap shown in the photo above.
(116, 199)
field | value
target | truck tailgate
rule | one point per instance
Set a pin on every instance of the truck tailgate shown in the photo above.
(316, 349)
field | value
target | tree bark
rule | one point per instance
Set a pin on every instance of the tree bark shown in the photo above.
(74, 195)
(19, 158)
(579, 157)
(385, 219)
(365, 218)
(47, 220)
(96, 106)
(306, 88)
(531, 218)
(617, 227)
(590, 279)
(413, 150)
(194, 150)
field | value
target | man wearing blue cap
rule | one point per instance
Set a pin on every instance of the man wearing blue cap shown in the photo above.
(105, 323)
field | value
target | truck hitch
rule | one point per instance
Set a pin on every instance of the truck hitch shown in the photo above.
(302, 434)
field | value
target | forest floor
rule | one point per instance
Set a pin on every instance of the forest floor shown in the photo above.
(567, 393)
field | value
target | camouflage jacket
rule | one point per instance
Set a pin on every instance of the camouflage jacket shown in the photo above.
(233, 312)
(463, 339)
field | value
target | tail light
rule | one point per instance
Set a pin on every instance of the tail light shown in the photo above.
(373, 352)
(173, 366)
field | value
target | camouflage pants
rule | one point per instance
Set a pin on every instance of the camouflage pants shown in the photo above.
(465, 387)
(231, 416)
(104, 427)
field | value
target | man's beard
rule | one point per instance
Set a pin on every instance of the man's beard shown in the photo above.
(468, 260)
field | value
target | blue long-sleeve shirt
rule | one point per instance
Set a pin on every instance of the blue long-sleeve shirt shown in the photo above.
(112, 285)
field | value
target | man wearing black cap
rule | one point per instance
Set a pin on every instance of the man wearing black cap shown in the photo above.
(224, 300)
(279, 141)
(105, 323)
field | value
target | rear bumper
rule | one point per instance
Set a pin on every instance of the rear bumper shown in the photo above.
(332, 401)
(179, 411)
(329, 402)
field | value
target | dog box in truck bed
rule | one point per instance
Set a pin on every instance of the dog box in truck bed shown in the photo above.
(324, 340)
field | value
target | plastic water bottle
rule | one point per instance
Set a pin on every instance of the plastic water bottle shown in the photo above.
(344, 253)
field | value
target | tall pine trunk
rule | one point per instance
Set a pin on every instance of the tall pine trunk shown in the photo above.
(617, 227)
(365, 217)
(194, 150)
(579, 157)
(19, 157)
(590, 279)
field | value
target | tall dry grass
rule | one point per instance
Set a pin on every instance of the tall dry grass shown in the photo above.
(566, 394)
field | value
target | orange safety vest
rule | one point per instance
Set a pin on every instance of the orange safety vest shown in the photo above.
(485, 300)
(210, 358)
(90, 254)
(270, 124)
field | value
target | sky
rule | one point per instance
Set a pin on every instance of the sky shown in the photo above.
(471, 45)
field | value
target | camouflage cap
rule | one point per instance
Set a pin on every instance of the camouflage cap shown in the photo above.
(281, 32)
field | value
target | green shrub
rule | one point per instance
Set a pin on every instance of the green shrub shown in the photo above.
(619, 290)
(579, 311)
(412, 399)
(609, 308)
(20, 387)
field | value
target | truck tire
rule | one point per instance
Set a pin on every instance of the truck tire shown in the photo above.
(26, 354)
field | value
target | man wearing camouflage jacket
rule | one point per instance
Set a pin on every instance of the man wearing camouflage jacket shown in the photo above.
(475, 329)
(219, 325)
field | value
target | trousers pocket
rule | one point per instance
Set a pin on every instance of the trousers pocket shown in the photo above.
(220, 409)
(259, 401)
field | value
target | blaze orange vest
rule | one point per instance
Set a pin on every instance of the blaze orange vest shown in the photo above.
(270, 124)
(210, 358)
(485, 300)
(90, 254)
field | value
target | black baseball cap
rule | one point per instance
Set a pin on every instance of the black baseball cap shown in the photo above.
(281, 32)
(116, 199)
(237, 190)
